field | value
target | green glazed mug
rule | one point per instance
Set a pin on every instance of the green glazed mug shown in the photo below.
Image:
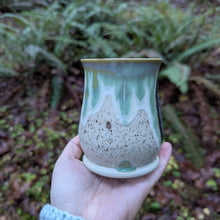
(120, 127)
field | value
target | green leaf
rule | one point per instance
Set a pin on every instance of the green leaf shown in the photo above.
(6, 72)
(197, 48)
(217, 172)
(212, 184)
(168, 183)
(189, 140)
(20, 19)
(214, 87)
(155, 205)
(34, 50)
(176, 173)
(214, 77)
(178, 74)
(57, 88)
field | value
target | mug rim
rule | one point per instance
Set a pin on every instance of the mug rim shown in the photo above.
(108, 60)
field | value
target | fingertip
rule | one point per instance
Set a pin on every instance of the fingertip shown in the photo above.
(167, 145)
(166, 150)
(164, 155)
(76, 140)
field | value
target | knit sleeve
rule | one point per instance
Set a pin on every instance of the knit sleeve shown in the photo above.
(49, 212)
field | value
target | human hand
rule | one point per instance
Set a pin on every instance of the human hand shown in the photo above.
(76, 190)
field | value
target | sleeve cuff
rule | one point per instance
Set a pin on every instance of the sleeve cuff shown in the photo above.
(49, 212)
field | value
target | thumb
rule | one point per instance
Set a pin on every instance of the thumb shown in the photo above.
(164, 155)
(72, 149)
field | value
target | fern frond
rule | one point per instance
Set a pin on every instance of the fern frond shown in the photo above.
(189, 140)
(7, 72)
(197, 48)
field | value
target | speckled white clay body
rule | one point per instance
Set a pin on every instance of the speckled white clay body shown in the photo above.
(108, 143)
(119, 128)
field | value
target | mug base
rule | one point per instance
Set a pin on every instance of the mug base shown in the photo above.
(114, 173)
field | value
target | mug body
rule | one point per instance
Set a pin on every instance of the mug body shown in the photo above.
(120, 126)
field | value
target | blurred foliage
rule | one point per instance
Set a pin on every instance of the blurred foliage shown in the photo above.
(66, 31)
(187, 138)
(40, 138)
(17, 5)
(58, 34)
(44, 40)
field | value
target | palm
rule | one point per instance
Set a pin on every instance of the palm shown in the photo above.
(78, 191)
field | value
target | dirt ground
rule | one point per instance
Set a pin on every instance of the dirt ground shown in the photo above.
(27, 122)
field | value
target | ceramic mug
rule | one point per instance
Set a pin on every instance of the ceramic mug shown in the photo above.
(120, 127)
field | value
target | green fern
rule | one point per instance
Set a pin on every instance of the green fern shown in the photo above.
(57, 89)
(208, 44)
(188, 140)
(66, 31)
(6, 72)
(35, 51)
(106, 29)
(178, 74)
(17, 5)
(212, 86)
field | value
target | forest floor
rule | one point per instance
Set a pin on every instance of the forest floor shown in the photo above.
(32, 137)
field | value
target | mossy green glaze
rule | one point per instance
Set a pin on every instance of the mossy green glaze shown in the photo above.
(86, 95)
(127, 81)
(125, 166)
